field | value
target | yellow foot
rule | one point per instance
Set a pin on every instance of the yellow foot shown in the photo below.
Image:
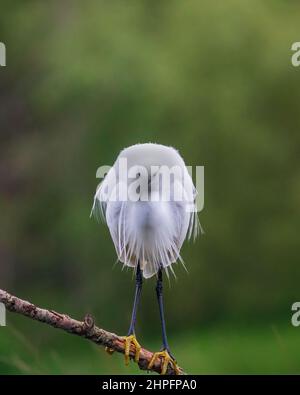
(109, 350)
(128, 341)
(165, 358)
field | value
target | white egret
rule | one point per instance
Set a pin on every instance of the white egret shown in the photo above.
(147, 200)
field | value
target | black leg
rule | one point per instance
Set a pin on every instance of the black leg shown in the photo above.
(165, 356)
(138, 290)
(159, 293)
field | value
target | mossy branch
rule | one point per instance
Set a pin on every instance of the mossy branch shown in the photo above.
(86, 329)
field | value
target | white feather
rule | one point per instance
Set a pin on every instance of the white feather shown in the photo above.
(149, 232)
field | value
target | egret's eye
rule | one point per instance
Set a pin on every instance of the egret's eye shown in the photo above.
(138, 175)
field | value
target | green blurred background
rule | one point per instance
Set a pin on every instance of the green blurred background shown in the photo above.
(213, 79)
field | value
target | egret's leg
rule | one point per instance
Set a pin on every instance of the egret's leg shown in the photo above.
(130, 338)
(164, 354)
(137, 296)
(159, 294)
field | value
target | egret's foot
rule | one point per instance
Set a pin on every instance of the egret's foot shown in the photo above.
(165, 358)
(109, 350)
(128, 341)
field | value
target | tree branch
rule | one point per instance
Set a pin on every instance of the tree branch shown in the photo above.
(86, 329)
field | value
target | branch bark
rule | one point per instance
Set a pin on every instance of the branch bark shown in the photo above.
(86, 329)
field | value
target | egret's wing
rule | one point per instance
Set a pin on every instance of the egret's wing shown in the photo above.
(103, 194)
